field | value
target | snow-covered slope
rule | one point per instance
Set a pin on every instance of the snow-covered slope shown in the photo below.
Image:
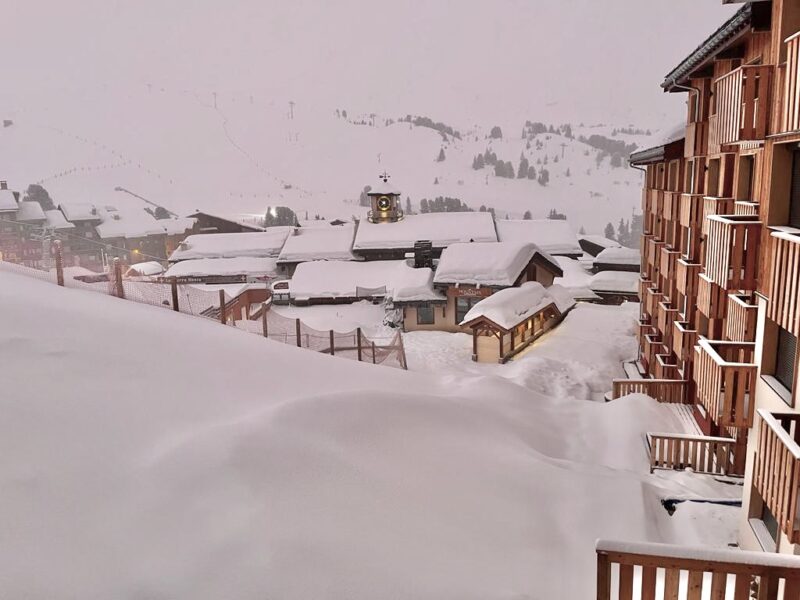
(166, 456)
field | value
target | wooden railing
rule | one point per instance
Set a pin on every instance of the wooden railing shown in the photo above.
(784, 283)
(743, 102)
(696, 140)
(702, 454)
(683, 340)
(725, 376)
(712, 300)
(672, 391)
(666, 316)
(652, 296)
(776, 472)
(645, 264)
(666, 271)
(691, 210)
(653, 346)
(686, 277)
(654, 253)
(791, 85)
(665, 367)
(714, 146)
(627, 570)
(644, 284)
(671, 221)
(731, 259)
(741, 318)
(715, 206)
(745, 207)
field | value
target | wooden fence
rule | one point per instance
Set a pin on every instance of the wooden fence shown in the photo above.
(663, 390)
(703, 454)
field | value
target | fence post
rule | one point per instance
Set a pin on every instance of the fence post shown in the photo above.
(222, 307)
(118, 278)
(402, 351)
(297, 331)
(174, 285)
(373, 353)
(59, 250)
(332, 343)
(264, 322)
(358, 342)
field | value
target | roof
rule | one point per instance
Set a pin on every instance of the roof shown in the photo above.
(442, 229)
(127, 223)
(341, 279)
(615, 281)
(319, 243)
(79, 211)
(383, 188)
(56, 220)
(258, 244)
(488, 263)
(8, 202)
(665, 149)
(205, 267)
(509, 307)
(247, 221)
(705, 51)
(148, 268)
(176, 225)
(619, 256)
(30, 211)
(554, 236)
(575, 279)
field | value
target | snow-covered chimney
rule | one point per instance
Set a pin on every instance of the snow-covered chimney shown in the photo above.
(3, 185)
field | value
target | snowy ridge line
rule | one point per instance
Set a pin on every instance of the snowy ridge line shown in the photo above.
(745, 557)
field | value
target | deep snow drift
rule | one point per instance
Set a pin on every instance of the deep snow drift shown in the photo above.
(148, 454)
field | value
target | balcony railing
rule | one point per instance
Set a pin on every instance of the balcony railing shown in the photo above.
(665, 367)
(784, 284)
(691, 210)
(742, 104)
(667, 314)
(654, 253)
(644, 284)
(686, 277)
(715, 206)
(653, 346)
(702, 454)
(741, 319)
(791, 85)
(731, 259)
(776, 473)
(671, 391)
(725, 376)
(714, 146)
(652, 296)
(627, 570)
(745, 207)
(683, 340)
(696, 141)
(712, 300)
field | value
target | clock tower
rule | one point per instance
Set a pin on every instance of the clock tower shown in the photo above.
(384, 202)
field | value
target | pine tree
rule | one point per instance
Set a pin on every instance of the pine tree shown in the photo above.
(408, 205)
(436, 181)
(609, 232)
(544, 177)
(527, 216)
(36, 193)
(568, 174)
(441, 157)
(423, 205)
(531, 172)
(496, 133)
(582, 231)
(522, 170)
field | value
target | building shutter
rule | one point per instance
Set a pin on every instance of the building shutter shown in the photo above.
(785, 358)
(794, 200)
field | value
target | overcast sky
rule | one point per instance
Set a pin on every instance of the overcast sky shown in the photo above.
(457, 59)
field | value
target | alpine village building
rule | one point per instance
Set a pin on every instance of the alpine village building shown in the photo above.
(720, 291)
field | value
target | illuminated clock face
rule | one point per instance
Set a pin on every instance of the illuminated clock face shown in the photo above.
(384, 203)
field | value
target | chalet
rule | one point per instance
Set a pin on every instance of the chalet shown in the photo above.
(507, 322)
(468, 272)
(208, 223)
(85, 244)
(595, 244)
(316, 242)
(618, 259)
(553, 236)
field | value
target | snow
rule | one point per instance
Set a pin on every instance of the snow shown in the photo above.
(615, 281)
(339, 317)
(339, 279)
(204, 267)
(600, 240)
(30, 211)
(79, 211)
(126, 223)
(145, 269)
(326, 242)
(576, 278)
(551, 235)
(56, 220)
(176, 225)
(257, 244)
(619, 256)
(8, 202)
(442, 229)
(142, 469)
(488, 263)
(509, 307)
(383, 188)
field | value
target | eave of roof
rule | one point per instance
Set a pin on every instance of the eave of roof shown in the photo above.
(713, 44)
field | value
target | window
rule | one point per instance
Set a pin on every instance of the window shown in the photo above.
(785, 358)
(463, 305)
(425, 315)
(764, 525)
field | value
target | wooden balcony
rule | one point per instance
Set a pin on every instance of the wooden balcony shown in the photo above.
(666, 315)
(664, 390)
(745, 207)
(790, 120)
(645, 266)
(714, 146)
(683, 340)
(654, 254)
(725, 375)
(715, 206)
(644, 284)
(627, 570)
(671, 220)
(731, 259)
(691, 210)
(653, 346)
(656, 202)
(742, 316)
(776, 471)
(666, 270)
(784, 282)
(686, 277)
(696, 140)
(712, 300)
(702, 454)
(666, 367)
(652, 296)
(743, 102)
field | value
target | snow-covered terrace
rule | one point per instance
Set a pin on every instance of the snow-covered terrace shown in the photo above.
(222, 267)
(551, 235)
(490, 263)
(442, 229)
(266, 244)
(511, 306)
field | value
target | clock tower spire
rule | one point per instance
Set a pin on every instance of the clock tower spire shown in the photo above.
(385, 202)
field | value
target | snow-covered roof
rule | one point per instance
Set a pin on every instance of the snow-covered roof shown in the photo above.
(145, 269)
(30, 211)
(619, 256)
(383, 188)
(209, 267)
(600, 240)
(487, 263)
(79, 211)
(258, 244)
(318, 243)
(615, 281)
(56, 220)
(176, 225)
(509, 307)
(127, 223)
(7, 201)
(551, 235)
(442, 229)
(340, 279)
(575, 279)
